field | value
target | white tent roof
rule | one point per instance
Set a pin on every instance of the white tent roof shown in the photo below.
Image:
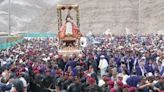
(89, 33)
(160, 32)
(107, 32)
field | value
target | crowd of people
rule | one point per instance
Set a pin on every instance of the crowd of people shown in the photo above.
(129, 63)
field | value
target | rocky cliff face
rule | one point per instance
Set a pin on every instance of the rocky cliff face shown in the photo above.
(152, 16)
(22, 13)
(120, 16)
(98, 16)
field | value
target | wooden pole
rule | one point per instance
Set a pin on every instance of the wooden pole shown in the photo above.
(58, 16)
(78, 17)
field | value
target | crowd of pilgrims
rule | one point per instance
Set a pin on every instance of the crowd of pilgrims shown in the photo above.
(120, 64)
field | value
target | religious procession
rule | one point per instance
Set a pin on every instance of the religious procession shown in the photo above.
(76, 60)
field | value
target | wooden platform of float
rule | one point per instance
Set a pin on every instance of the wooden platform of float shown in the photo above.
(69, 51)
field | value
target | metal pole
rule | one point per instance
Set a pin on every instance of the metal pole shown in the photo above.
(9, 15)
(27, 28)
(139, 19)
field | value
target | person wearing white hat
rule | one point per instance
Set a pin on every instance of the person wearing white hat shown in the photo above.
(103, 64)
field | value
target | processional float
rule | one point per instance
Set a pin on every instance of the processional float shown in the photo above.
(68, 31)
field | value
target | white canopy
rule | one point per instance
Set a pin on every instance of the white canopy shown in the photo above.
(127, 31)
(160, 32)
(89, 33)
(107, 32)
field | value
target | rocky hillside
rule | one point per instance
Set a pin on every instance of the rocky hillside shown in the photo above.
(96, 16)
(118, 16)
(22, 13)
(152, 16)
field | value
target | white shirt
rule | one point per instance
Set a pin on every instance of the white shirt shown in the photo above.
(103, 64)
(143, 70)
(125, 77)
(3, 62)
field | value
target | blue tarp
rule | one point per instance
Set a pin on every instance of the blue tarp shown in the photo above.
(34, 35)
(6, 45)
(9, 44)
